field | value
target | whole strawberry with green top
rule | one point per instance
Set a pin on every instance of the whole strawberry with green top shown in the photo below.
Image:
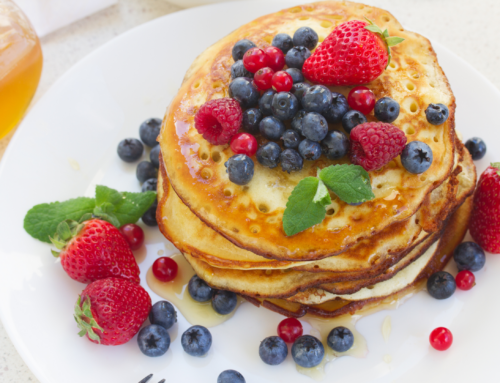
(94, 249)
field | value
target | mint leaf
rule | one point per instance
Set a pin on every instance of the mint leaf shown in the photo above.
(301, 211)
(133, 206)
(104, 194)
(106, 213)
(351, 183)
(322, 196)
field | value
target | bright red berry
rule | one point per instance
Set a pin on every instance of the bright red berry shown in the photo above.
(133, 234)
(244, 143)
(441, 339)
(374, 144)
(361, 99)
(165, 269)
(465, 280)
(219, 120)
(350, 55)
(263, 78)
(282, 82)
(276, 58)
(290, 329)
(255, 59)
(118, 309)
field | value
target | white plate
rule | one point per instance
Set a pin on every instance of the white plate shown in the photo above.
(102, 100)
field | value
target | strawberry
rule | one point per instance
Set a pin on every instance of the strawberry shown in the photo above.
(355, 53)
(93, 250)
(111, 311)
(484, 223)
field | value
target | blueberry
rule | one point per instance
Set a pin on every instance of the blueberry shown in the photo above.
(441, 285)
(283, 42)
(130, 149)
(269, 155)
(199, 290)
(437, 114)
(296, 74)
(386, 109)
(240, 48)
(476, 148)
(317, 99)
(340, 339)
(337, 109)
(352, 119)
(163, 314)
(297, 56)
(150, 185)
(266, 101)
(224, 302)
(314, 126)
(153, 340)
(305, 37)
(416, 157)
(244, 91)
(308, 351)
(309, 150)
(230, 376)
(239, 70)
(469, 256)
(149, 217)
(335, 145)
(285, 106)
(196, 341)
(299, 89)
(145, 170)
(240, 168)
(291, 139)
(251, 120)
(271, 128)
(149, 131)
(291, 161)
(154, 156)
(273, 350)
(297, 121)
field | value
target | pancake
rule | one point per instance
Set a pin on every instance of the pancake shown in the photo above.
(251, 216)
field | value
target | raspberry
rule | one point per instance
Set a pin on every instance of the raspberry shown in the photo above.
(219, 120)
(374, 144)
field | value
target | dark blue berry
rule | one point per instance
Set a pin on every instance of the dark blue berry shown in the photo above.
(251, 120)
(271, 128)
(240, 48)
(230, 376)
(317, 99)
(266, 101)
(149, 217)
(335, 145)
(314, 126)
(154, 156)
(285, 106)
(416, 157)
(240, 169)
(469, 256)
(199, 290)
(163, 314)
(130, 149)
(297, 121)
(340, 339)
(441, 285)
(145, 170)
(269, 155)
(476, 148)
(309, 150)
(149, 131)
(153, 340)
(437, 114)
(196, 341)
(352, 119)
(244, 91)
(283, 42)
(224, 302)
(308, 351)
(273, 350)
(291, 161)
(386, 109)
(150, 185)
(299, 89)
(337, 109)
(291, 139)
(305, 37)
(239, 70)
(297, 56)
(297, 75)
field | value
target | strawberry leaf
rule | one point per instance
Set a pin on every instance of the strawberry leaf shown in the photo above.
(394, 40)
(496, 165)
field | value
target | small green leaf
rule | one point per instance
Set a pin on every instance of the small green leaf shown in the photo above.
(394, 40)
(104, 194)
(386, 33)
(374, 29)
(133, 206)
(322, 196)
(55, 253)
(85, 217)
(63, 231)
(496, 165)
(105, 212)
(351, 183)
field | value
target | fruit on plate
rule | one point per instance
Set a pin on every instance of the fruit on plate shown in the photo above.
(290, 329)
(153, 340)
(273, 350)
(134, 233)
(219, 120)
(111, 311)
(441, 339)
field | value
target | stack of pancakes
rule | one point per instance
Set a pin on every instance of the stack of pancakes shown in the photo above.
(233, 236)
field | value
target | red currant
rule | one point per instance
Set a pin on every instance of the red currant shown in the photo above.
(255, 59)
(165, 269)
(290, 329)
(244, 143)
(276, 58)
(441, 339)
(282, 82)
(465, 280)
(263, 78)
(133, 234)
(361, 99)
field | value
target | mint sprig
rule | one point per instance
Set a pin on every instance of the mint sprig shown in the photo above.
(351, 183)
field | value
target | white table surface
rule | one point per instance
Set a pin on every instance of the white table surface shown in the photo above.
(468, 28)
